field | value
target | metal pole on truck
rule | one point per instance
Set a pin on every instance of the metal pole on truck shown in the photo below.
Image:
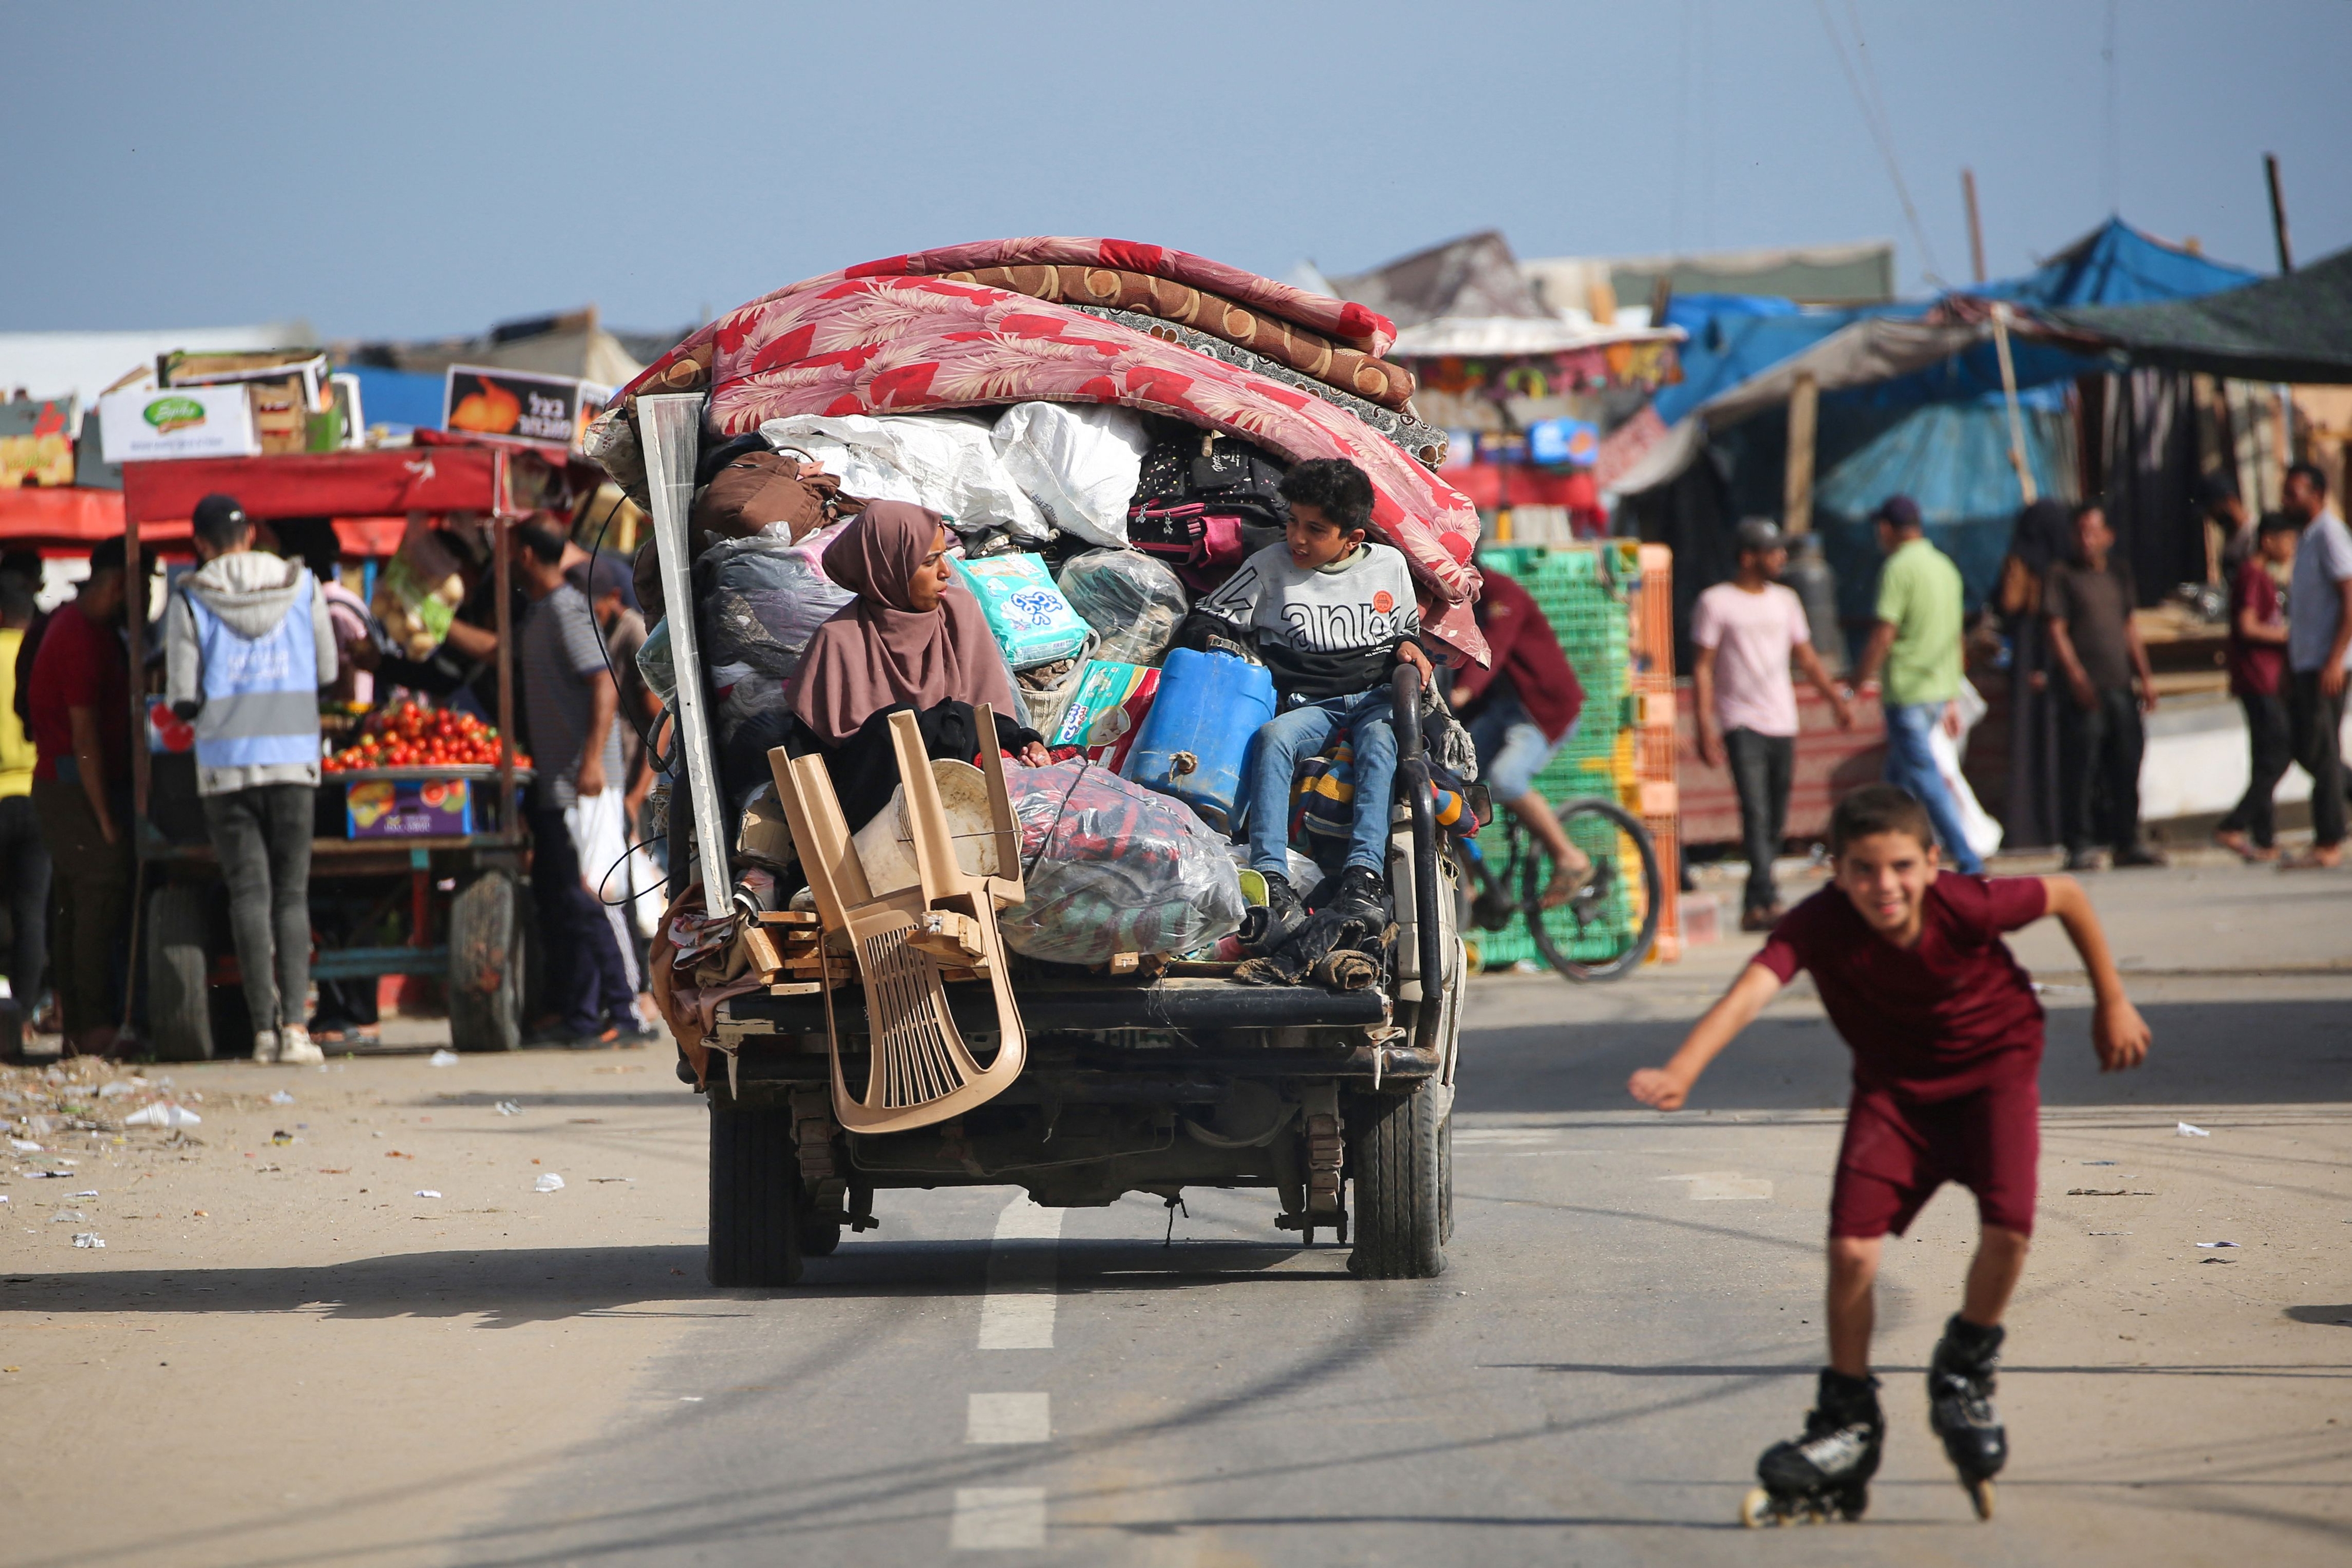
(666, 427)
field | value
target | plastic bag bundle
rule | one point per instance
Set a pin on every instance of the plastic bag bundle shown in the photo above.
(1032, 622)
(763, 599)
(654, 663)
(1046, 689)
(418, 592)
(1078, 463)
(1113, 868)
(1134, 600)
(943, 461)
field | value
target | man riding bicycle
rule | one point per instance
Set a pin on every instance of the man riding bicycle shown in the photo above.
(1520, 709)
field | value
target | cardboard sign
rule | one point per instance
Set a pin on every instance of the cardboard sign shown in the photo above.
(178, 422)
(546, 410)
(33, 447)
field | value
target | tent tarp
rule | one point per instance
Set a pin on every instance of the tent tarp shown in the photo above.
(2298, 327)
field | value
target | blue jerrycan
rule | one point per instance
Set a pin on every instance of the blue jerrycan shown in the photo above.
(1195, 738)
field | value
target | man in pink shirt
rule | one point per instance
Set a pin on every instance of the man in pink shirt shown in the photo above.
(1747, 630)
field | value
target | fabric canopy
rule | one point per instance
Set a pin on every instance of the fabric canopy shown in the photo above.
(2298, 327)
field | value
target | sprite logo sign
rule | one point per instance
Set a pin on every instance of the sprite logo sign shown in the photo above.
(170, 413)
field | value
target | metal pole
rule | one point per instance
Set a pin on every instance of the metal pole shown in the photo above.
(2278, 213)
(666, 427)
(1976, 229)
(2009, 395)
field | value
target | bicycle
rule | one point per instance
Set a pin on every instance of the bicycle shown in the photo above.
(1607, 928)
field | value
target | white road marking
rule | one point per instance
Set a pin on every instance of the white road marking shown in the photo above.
(1017, 1314)
(1009, 1418)
(996, 1519)
(1724, 1186)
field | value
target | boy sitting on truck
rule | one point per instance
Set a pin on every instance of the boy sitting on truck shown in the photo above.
(1331, 613)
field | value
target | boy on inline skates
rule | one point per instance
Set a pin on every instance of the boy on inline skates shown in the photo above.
(1946, 1042)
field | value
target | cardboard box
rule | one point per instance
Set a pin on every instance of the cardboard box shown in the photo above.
(408, 808)
(145, 425)
(548, 412)
(35, 447)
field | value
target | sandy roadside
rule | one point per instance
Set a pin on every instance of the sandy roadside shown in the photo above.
(281, 1355)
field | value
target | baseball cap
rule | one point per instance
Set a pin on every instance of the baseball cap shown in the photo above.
(1757, 535)
(1900, 512)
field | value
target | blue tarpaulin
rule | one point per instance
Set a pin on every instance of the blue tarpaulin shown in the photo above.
(399, 397)
(1938, 435)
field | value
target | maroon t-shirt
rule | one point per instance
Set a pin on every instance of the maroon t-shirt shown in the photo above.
(1521, 647)
(2254, 667)
(1944, 1017)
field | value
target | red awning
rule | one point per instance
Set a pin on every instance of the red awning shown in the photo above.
(65, 516)
(1492, 485)
(375, 484)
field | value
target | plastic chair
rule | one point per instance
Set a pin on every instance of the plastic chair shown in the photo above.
(922, 1071)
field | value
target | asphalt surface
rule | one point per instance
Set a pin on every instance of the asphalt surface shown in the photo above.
(1631, 1315)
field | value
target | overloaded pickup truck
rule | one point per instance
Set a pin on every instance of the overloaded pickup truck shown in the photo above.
(1149, 1073)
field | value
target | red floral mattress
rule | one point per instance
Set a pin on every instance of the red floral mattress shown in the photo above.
(894, 337)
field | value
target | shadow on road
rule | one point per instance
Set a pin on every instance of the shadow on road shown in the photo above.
(537, 1285)
(2253, 1053)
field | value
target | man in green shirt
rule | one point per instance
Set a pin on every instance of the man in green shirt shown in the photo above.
(1917, 642)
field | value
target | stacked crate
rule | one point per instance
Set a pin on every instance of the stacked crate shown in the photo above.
(1589, 594)
(1656, 797)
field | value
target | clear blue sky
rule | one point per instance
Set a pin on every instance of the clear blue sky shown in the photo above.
(421, 169)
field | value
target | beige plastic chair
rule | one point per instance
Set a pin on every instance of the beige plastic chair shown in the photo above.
(922, 1071)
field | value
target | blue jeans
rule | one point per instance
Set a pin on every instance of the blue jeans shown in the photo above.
(1912, 765)
(1512, 750)
(1284, 741)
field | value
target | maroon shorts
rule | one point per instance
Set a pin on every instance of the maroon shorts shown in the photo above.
(1897, 1152)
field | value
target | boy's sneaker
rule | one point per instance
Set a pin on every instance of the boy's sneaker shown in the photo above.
(1269, 926)
(295, 1049)
(265, 1045)
(1358, 897)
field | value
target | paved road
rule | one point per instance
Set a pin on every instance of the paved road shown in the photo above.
(1630, 1316)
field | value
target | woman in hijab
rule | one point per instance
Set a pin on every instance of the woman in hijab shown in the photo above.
(914, 640)
(2044, 536)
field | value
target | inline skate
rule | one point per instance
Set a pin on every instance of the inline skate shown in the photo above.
(1960, 1406)
(1824, 1475)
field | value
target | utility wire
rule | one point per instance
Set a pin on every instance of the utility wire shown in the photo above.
(1882, 131)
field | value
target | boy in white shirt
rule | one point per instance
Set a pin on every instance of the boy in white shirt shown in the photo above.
(1747, 630)
(1331, 613)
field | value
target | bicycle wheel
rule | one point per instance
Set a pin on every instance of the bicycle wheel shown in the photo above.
(1608, 928)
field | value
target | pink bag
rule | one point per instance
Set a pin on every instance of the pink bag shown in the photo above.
(1187, 533)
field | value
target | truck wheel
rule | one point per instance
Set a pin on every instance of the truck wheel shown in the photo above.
(485, 964)
(755, 1197)
(179, 990)
(819, 1237)
(1399, 1153)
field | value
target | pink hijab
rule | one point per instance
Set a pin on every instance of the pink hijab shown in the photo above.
(879, 650)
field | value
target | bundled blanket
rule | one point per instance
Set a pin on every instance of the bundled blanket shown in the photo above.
(899, 336)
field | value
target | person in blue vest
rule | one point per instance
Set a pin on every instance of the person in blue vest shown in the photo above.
(248, 646)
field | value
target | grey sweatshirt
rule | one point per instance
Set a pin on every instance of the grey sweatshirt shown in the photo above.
(252, 593)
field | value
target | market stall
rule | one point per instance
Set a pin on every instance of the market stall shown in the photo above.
(408, 835)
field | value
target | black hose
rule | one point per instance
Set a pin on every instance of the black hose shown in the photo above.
(1413, 775)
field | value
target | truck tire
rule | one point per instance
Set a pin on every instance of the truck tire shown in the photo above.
(1400, 1152)
(486, 965)
(179, 965)
(755, 1197)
